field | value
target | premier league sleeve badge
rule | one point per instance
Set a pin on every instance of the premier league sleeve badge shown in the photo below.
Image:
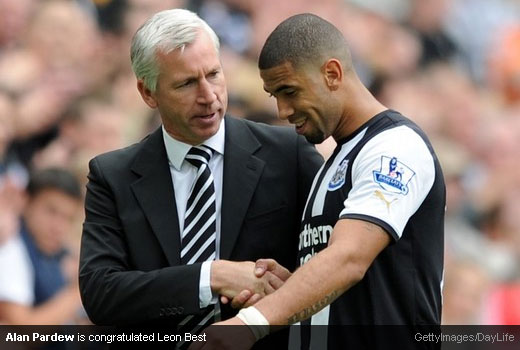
(393, 176)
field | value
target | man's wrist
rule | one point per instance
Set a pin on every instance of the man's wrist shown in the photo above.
(206, 295)
(216, 282)
(254, 319)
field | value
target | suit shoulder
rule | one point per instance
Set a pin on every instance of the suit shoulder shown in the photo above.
(120, 158)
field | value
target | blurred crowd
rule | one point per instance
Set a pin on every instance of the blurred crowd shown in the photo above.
(67, 93)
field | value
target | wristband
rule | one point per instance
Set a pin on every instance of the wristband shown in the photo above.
(255, 321)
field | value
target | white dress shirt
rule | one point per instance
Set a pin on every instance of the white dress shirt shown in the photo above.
(183, 176)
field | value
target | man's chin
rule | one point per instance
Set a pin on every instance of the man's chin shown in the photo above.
(315, 138)
(208, 132)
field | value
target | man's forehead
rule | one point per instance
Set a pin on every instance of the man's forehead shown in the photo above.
(278, 74)
(284, 67)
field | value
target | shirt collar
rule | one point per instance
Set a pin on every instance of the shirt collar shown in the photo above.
(177, 150)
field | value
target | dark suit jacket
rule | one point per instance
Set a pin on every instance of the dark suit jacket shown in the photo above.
(130, 270)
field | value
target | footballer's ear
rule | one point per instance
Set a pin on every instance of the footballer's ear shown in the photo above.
(333, 73)
(146, 94)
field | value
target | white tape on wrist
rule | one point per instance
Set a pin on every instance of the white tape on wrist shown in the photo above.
(255, 320)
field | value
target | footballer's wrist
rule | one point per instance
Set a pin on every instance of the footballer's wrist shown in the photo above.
(254, 319)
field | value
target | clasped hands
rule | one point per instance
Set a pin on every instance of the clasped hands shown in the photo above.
(244, 283)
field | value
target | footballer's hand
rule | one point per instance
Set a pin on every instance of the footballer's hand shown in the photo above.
(276, 275)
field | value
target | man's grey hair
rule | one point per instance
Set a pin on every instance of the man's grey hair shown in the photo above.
(165, 31)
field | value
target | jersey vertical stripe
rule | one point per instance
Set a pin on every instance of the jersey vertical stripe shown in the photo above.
(319, 201)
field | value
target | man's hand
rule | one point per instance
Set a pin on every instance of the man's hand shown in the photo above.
(229, 278)
(270, 265)
(262, 267)
(235, 336)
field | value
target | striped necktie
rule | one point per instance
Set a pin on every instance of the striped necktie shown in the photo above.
(199, 233)
(198, 241)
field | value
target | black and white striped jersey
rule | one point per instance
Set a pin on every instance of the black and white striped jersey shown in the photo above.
(386, 173)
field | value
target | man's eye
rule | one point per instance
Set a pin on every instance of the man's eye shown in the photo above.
(185, 83)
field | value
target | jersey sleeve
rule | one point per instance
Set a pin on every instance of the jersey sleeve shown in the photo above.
(391, 177)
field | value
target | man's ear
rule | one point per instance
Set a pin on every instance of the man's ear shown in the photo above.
(333, 73)
(146, 94)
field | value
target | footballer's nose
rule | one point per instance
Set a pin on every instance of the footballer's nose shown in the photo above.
(285, 110)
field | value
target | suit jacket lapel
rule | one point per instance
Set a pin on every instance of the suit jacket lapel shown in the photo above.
(155, 194)
(242, 171)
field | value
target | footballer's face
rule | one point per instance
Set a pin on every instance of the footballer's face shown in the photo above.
(303, 99)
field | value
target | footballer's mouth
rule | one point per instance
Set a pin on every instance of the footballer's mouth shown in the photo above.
(300, 125)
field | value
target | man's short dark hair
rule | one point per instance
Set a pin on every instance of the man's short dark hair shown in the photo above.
(303, 39)
(56, 179)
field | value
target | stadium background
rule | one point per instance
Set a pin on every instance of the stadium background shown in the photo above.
(67, 93)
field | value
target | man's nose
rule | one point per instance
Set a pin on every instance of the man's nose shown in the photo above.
(285, 110)
(206, 93)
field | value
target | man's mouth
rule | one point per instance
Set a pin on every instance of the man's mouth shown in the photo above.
(206, 116)
(299, 124)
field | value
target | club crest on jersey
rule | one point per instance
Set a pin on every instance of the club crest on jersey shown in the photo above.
(338, 179)
(393, 176)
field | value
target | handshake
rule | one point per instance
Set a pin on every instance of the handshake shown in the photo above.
(244, 283)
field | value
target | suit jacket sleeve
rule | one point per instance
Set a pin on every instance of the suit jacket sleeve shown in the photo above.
(113, 290)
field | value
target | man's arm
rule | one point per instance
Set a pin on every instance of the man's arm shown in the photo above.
(59, 309)
(115, 292)
(353, 246)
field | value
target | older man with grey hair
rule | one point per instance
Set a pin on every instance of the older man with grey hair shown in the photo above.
(176, 220)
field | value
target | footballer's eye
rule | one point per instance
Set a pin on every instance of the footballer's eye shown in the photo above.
(289, 92)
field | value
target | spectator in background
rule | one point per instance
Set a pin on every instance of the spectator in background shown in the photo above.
(49, 71)
(6, 131)
(89, 128)
(465, 286)
(426, 19)
(475, 26)
(504, 65)
(14, 16)
(38, 278)
(13, 175)
(230, 19)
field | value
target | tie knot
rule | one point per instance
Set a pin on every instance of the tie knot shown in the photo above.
(199, 155)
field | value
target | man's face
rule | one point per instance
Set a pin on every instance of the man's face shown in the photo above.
(302, 99)
(50, 216)
(191, 93)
